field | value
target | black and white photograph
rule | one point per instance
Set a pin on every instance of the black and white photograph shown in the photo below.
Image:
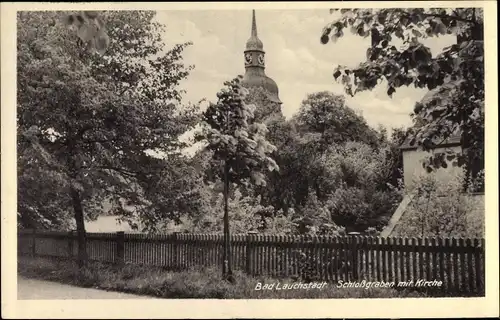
(251, 153)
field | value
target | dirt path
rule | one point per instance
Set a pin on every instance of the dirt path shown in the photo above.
(32, 289)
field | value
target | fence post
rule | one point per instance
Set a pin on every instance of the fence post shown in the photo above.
(175, 246)
(249, 252)
(120, 248)
(33, 243)
(70, 244)
(354, 254)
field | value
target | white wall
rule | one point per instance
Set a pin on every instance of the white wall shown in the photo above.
(106, 224)
(412, 165)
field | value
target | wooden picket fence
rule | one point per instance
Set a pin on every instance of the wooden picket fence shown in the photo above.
(457, 263)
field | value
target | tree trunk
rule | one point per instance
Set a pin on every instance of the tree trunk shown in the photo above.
(227, 273)
(80, 228)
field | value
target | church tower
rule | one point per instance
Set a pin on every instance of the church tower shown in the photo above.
(255, 75)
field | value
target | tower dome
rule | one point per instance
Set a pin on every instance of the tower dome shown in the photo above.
(255, 75)
(254, 43)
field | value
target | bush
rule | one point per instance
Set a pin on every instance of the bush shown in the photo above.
(196, 283)
(246, 214)
(316, 219)
(441, 209)
(358, 176)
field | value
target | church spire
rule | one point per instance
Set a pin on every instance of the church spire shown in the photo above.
(255, 75)
(254, 25)
(254, 42)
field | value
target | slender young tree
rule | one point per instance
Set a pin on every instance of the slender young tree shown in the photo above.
(239, 146)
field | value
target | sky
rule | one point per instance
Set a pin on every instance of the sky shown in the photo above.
(295, 58)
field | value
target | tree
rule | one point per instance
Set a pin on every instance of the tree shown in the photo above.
(327, 119)
(455, 76)
(89, 122)
(237, 145)
(357, 176)
(269, 113)
(323, 120)
(266, 111)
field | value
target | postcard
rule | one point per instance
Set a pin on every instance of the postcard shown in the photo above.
(249, 160)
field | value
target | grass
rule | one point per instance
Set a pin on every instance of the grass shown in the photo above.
(206, 283)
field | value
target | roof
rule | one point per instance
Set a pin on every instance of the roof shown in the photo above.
(453, 140)
(263, 81)
(437, 96)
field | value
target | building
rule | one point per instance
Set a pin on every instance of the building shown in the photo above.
(255, 66)
(413, 159)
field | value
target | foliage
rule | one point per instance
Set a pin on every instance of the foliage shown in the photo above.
(235, 141)
(326, 119)
(238, 146)
(246, 214)
(311, 151)
(352, 192)
(326, 182)
(281, 136)
(442, 209)
(88, 122)
(176, 192)
(36, 204)
(90, 28)
(316, 219)
(323, 119)
(357, 176)
(266, 111)
(455, 76)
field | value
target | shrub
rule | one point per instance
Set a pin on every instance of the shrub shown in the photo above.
(316, 219)
(246, 214)
(358, 176)
(441, 209)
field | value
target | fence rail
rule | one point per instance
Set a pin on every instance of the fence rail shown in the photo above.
(457, 263)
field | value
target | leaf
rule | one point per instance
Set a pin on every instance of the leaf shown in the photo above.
(461, 160)
(86, 32)
(324, 39)
(416, 33)
(101, 42)
(68, 20)
(337, 74)
(412, 141)
(361, 31)
(90, 14)
(345, 79)
(390, 91)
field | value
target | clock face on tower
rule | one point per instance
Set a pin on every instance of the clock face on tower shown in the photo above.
(248, 58)
(261, 59)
